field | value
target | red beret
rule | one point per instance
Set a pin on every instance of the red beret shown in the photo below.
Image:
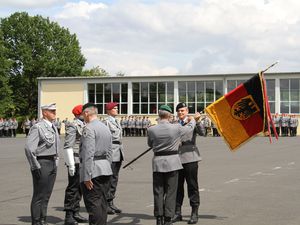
(110, 105)
(77, 110)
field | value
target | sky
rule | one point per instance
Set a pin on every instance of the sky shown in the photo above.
(169, 37)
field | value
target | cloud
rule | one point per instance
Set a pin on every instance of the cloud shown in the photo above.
(190, 37)
(29, 4)
(81, 9)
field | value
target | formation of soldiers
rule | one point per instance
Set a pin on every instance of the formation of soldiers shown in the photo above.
(93, 153)
(8, 127)
(285, 125)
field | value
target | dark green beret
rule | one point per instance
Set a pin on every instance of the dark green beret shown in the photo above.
(181, 105)
(166, 108)
(88, 105)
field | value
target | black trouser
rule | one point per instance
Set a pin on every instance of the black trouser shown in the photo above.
(58, 130)
(278, 130)
(1, 133)
(144, 131)
(164, 192)
(73, 192)
(14, 133)
(42, 189)
(115, 167)
(190, 174)
(95, 200)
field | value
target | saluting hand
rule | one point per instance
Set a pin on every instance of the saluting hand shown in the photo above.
(89, 184)
(189, 119)
(197, 116)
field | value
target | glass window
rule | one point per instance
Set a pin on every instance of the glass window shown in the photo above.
(209, 92)
(100, 108)
(170, 92)
(161, 92)
(136, 92)
(284, 90)
(136, 109)
(99, 93)
(107, 88)
(144, 92)
(191, 91)
(200, 91)
(124, 88)
(284, 107)
(116, 92)
(91, 92)
(144, 108)
(231, 84)
(271, 89)
(294, 89)
(294, 107)
(182, 91)
(153, 92)
(123, 109)
(219, 89)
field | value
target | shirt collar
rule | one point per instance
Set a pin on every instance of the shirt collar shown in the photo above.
(48, 122)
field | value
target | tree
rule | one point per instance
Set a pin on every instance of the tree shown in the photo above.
(6, 106)
(95, 72)
(37, 47)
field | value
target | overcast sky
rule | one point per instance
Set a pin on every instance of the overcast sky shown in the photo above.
(152, 37)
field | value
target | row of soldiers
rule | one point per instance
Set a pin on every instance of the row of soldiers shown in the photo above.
(285, 125)
(8, 127)
(93, 153)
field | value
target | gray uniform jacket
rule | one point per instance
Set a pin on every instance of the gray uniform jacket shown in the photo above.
(167, 137)
(42, 140)
(276, 121)
(116, 132)
(95, 142)
(73, 135)
(14, 124)
(1, 125)
(293, 122)
(188, 151)
(285, 121)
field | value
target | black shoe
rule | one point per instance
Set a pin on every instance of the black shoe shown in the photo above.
(159, 220)
(79, 218)
(176, 218)
(69, 219)
(194, 216)
(113, 207)
(168, 221)
(110, 211)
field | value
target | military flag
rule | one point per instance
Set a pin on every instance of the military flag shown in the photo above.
(243, 112)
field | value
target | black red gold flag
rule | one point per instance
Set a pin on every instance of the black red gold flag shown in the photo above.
(242, 113)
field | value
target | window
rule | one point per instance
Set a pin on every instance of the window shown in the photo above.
(289, 95)
(149, 96)
(271, 93)
(102, 93)
(199, 94)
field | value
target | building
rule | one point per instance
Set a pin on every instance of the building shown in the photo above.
(142, 95)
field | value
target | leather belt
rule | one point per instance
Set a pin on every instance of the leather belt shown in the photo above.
(99, 157)
(187, 143)
(48, 157)
(76, 154)
(117, 142)
(164, 153)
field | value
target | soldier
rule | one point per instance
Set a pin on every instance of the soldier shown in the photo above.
(144, 126)
(14, 127)
(284, 125)
(131, 126)
(42, 153)
(26, 126)
(293, 125)
(117, 153)
(138, 126)
(1, 127)
(71, 155)
(215, 130)
(164, 139)
(189, 155)
(126, 126)
(6, 127)
(276, 122)
(95, 164)
(207, 125)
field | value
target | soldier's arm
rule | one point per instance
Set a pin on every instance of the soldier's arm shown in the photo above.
(149, 139)
(70, 137)
(31, 147)
(190, 126)
(109, 152)
(88, 148)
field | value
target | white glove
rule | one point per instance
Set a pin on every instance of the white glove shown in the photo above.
(72, 170)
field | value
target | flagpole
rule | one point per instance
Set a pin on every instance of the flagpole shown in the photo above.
(270, 66)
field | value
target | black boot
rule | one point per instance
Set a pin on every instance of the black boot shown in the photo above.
(194, 215)
(177, 217)
(69, 219)
(110, 210)
(43, 221)
(159, 220)
(115, 208)
(79, 218)
(168, 221)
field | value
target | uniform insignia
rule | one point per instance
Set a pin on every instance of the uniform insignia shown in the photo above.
(85, 133)
(244, 108)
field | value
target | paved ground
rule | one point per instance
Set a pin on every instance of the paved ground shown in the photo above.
(257, 185)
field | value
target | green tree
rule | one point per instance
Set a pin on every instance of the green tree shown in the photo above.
(37, 47)
(6, 106)
(95, 72)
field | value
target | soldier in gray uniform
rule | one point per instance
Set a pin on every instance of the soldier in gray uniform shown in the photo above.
(95, 164)
(1, 127)
(6, 125)
(26, 126)
(284, 125)
(117, 153)
(189, 155)
(73, 192)
(14, 127)
(57, 123)
(293, 125)
(41, 150)
(276, 122)
(164, 139)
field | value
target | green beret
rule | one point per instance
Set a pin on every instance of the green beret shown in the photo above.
(166, 108)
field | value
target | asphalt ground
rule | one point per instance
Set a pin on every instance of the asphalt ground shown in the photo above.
(257, 185)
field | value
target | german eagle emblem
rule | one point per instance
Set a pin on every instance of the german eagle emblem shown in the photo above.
(244, 108)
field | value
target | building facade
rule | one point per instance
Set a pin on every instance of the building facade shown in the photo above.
(142, 95)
